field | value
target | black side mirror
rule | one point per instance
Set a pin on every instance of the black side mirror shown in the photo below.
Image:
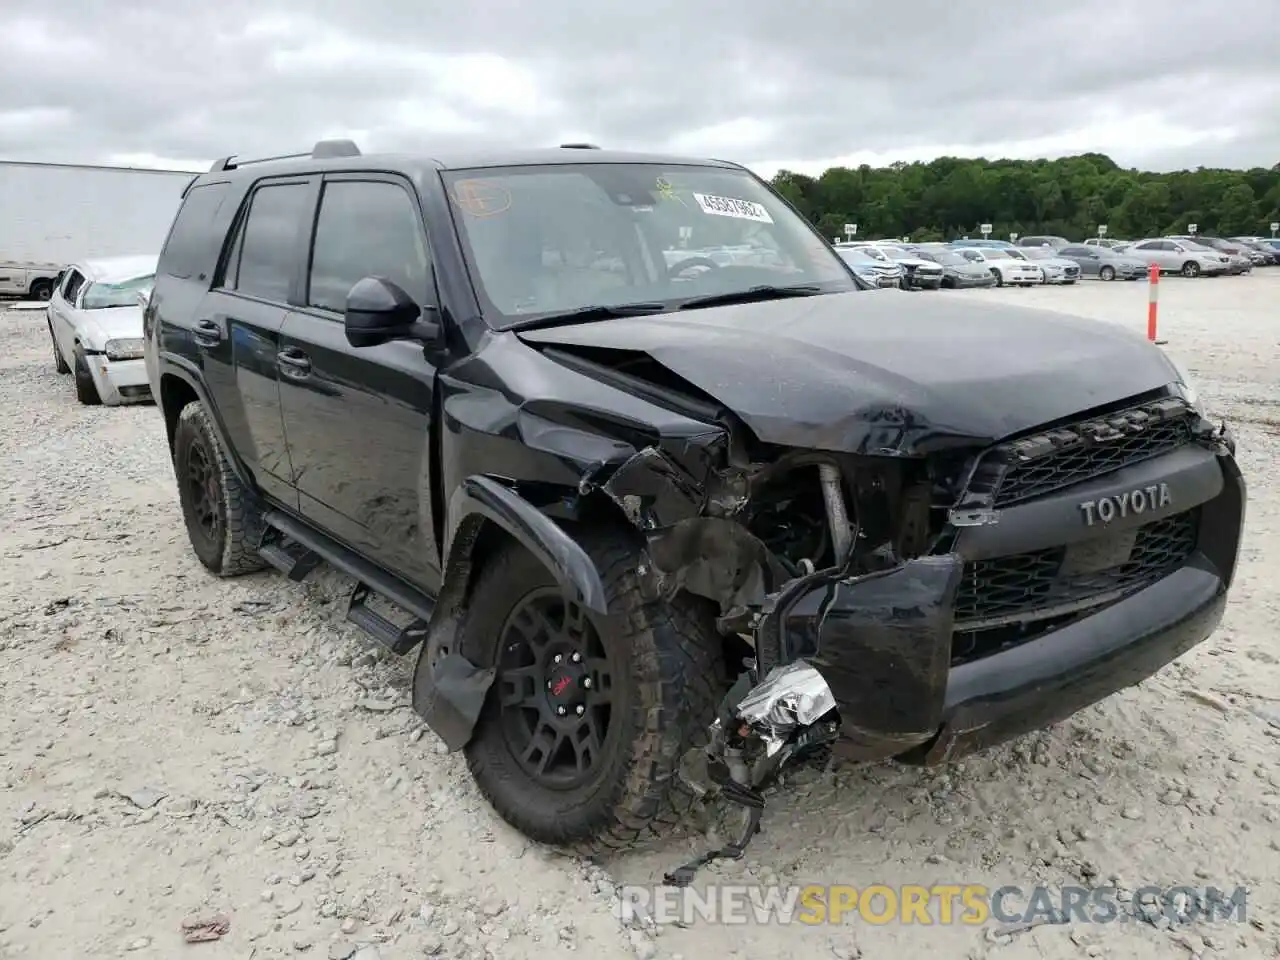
(379, 311)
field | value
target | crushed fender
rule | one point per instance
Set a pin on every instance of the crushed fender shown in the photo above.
(457, 697)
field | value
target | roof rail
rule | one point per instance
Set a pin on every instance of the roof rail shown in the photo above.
(323, 150)
(578, 146)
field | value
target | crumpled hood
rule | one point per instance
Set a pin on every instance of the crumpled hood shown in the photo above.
(113, 323)
(889, 375)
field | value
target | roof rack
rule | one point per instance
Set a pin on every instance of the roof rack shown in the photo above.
(323, 150)
(578, 146)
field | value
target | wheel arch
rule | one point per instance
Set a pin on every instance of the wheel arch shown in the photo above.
(484, 515)
(181, 384)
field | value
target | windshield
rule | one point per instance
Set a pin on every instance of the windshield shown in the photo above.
(856, 255)
(946, 257)
(100, 296)
(897, 253)
(1038, 253)
(991, 253)
(548, 240)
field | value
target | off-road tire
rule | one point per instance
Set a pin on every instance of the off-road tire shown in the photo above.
(59, 361)
(1107, 273)
(86, 389)
(671, 684)
(233, 549)
(1190, 269)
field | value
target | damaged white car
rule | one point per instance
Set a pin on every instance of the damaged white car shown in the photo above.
(95, 323)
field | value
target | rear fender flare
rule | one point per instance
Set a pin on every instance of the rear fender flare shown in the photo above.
(169, 365)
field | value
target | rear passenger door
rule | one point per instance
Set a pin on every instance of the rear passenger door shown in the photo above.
(237, 329)
(359, 422)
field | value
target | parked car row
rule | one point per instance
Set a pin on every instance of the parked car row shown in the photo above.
(1190, 256)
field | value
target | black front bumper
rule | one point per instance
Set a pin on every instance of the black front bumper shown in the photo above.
(884, 642)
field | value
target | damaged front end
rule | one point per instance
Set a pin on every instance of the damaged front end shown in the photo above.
(835, 602)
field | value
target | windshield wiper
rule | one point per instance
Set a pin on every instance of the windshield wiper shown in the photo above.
(750, 295)
(594, 312)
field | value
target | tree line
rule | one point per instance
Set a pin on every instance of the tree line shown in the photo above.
(951, 197)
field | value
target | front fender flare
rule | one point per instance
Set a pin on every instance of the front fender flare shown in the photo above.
(534, 530)
(448, 690)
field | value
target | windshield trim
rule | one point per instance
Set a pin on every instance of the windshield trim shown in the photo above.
(809, 238)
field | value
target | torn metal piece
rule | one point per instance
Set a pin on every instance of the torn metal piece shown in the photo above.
(458, 689)
(791, 697)
(759, 729)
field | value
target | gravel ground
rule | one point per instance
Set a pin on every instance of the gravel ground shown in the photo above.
(176, 748)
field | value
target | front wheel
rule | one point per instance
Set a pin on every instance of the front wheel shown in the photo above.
(1107, 273)
(42, 290)
(86, 389)
(223, 523)
(1191, 269)
(580, 739)
(998, 278)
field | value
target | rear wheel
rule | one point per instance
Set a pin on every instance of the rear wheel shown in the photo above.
(581, 737)
(1107, 273)
(999, 279)
(1191, 269)
(86, 389)
(59, 361)
(223, 523)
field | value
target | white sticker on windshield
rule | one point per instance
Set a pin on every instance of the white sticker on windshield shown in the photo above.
(729, 207)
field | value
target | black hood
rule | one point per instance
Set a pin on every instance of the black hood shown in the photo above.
(890, 375)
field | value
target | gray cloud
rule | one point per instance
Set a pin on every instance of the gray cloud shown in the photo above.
(753, 80)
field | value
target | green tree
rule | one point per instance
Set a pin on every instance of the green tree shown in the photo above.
(1071, 196)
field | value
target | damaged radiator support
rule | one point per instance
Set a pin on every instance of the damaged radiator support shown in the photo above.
(759, 729)
(762, 724)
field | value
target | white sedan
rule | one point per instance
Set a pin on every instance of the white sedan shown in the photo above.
(1008, 267)
(95, 320)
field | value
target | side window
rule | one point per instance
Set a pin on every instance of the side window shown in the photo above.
(265, 253)
(71, 289)
(366, 228)
(191, 243)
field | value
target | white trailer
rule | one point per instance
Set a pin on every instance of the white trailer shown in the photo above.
(54, 213)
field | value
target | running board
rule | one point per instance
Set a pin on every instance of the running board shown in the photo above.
(292, 559)
(399, 640)
(309, 547)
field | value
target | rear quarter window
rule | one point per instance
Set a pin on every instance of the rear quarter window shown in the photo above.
(195, 238)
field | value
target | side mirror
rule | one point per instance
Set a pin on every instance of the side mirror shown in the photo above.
(379, 311)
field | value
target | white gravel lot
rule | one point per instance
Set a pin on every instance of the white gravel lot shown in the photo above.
(172, 745)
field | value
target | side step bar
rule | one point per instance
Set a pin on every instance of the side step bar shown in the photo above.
(299, 557)
(399, 640)
(292, 559)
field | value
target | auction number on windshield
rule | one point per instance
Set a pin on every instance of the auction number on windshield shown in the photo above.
(729, 207)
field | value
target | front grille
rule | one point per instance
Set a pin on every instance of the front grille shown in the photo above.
(1047, 582)
(1081, 451)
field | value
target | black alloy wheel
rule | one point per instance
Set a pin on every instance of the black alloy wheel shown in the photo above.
(201, 482)
(555, 681)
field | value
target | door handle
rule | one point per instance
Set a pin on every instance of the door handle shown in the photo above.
(206, 333)
(293, 362)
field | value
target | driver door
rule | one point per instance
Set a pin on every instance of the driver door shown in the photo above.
(359, 421)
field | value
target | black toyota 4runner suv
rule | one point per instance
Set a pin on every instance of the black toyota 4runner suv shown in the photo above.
(617, 442)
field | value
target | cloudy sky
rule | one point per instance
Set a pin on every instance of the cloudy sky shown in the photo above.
(1159, 85)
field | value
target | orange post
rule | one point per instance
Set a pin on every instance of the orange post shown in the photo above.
(1153, 301)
